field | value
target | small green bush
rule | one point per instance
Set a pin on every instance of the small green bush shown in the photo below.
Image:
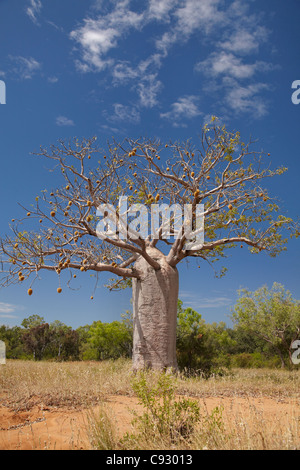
(165, 418)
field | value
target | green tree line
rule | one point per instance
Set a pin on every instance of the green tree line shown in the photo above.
(266, 323)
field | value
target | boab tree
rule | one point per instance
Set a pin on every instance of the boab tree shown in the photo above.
(223, 174)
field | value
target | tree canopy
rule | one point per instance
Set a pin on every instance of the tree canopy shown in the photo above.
(272, 315)
(221, 172)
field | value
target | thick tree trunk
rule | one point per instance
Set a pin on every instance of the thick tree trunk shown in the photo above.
(155, 298)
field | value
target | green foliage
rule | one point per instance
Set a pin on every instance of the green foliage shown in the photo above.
(266, 322)
(65, 342)
(254, 360)
(32, 321)
(37, 339)
(13, 342)
(164, 416)
(190, 331)
(110, 340)
(272, 315)
(201, 346)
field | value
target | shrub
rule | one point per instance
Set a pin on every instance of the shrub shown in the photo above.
(164, 419)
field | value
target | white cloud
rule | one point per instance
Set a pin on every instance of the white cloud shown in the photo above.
(122, 72)
(98, 4)
(238, 8)
(246, 99)
(195, 15)
(6, 308)
(64, 121)
(245, 41)
(159, 9)
(166, 41)
(34, 9)
(190, 17)
(110, 129)
(125, 113)
(95, 43)
(224, 63)
(147, 84)
(197, 301)
(25, 67)
(148, 90)
(186, 107)
(235, 76)
(233, 33)
(98, 36)
(52, 79)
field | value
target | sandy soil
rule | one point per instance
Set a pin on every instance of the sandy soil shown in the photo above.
(59, 429)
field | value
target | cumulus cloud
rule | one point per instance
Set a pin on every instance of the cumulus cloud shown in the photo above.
(148, 90)
(243, 41)
(186, 107)
(97, 37)
(64, 121)
(233, 33)
(159, 9)
(147, 84)
(224, 63)
(194, 15)
(247, 98)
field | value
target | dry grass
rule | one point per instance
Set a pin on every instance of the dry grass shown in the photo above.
(248, 427)
(24, 384)
(273, 383)
(216, 433)
(80, 385)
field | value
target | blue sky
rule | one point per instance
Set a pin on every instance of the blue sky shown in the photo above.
(146, 68)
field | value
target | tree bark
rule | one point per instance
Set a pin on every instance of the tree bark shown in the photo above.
(155, 297)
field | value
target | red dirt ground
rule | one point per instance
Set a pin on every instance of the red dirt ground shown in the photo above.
(59, 429)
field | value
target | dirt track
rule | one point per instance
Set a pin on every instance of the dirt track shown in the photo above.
(66, 429)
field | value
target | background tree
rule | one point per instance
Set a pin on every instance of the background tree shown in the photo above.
(37, 340)
(84, 346)
(201, 346)
(222, 173)
(65, 341)
(12, 338)
(110, 340)
(32, 321)
(272, 315)
(190, 332)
